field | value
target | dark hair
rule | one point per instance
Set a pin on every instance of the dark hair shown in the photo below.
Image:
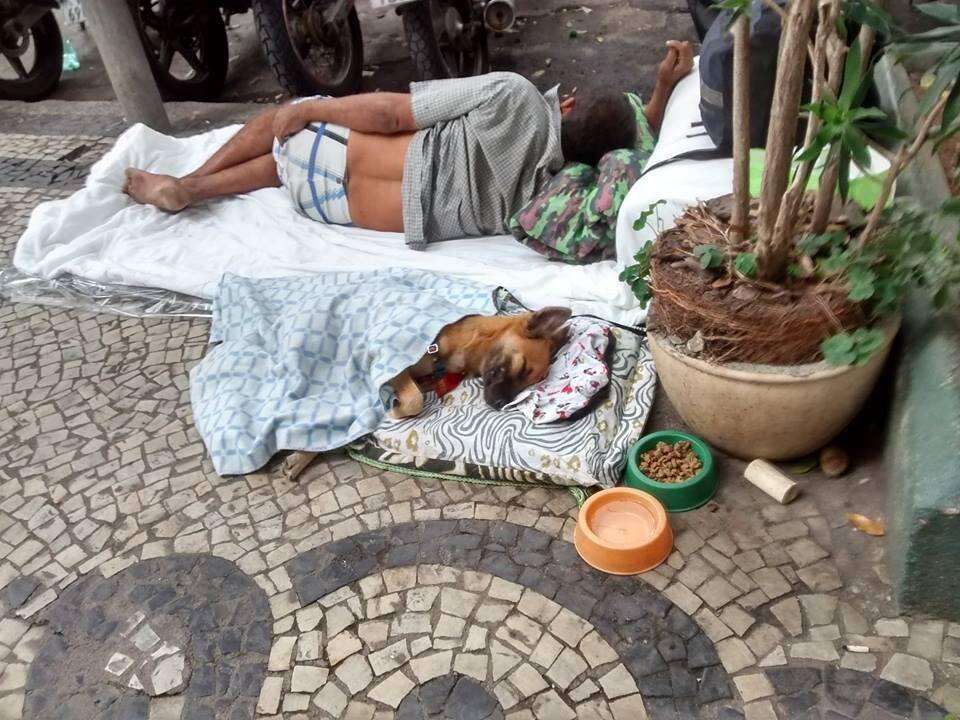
(598, 123)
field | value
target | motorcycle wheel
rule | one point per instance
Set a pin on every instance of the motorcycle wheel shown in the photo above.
(186, 46)
(307, 57)
(444, 40)
(44, 43)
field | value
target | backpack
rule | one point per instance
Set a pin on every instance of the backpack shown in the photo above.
(716, 75)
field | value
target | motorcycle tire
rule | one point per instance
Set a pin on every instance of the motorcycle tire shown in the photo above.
(44, 76)
(216, 57)
(293, 76)
(425, 48)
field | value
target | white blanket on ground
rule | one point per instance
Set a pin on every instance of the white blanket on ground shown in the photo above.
(100, 234)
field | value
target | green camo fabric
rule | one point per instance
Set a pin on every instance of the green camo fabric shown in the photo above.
(574, 218)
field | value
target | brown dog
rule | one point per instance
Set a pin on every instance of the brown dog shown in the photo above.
(510, 353)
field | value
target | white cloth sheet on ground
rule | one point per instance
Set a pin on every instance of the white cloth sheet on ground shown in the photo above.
(100, 234)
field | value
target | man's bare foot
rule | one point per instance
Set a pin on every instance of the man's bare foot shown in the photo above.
(162, 191)
(677, 64)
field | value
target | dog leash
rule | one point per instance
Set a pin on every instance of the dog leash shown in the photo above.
(638, 330)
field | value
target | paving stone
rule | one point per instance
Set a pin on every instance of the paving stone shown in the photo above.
(596, 651)
(819, 609)
(355, 673)
(683, 598)
(628, 708)
(342, 646)
(281, 654)
(822, 650)
(695, 572)
(824, 632)
(735, 654)
(688, 542)
(763, 638)
(821, 577)
(926, 639)
(787, 612)
(912, 672)
(718, 592)
(805, 552)
(333, 700)
(569, 627)
(776, 658)
(951, 650)
(546, 651)
(427, 667)
(753, 687)
(863, 662)
(617, 682)
(308, 646)
(421, 599)
(789, 530)
(307, 678)
(537, 607)
(738, 620)
(458, 602)
(714, 628)
(566, 668)
(748, 561)
(760, 710)
(527, 680)
(550, 706)
(471, 664)
(269, 700)
(584, 690)
(891, 627)
(390, 691)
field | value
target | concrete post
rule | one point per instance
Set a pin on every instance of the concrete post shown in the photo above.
(126, 62)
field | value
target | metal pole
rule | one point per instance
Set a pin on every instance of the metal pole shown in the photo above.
(126, 62)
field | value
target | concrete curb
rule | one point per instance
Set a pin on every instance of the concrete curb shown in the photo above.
(922, 437)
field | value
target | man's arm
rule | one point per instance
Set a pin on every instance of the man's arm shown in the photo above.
(380, 112)
(675, 66)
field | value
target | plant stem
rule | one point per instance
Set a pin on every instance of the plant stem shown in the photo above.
(904, 156)
(827, 61)
(781, 135)
(826, 191)
(740, 221)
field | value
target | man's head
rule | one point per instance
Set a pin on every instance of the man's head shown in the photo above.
(594, 123)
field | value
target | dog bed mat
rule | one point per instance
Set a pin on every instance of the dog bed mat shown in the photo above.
(461, 437)
(100, 234)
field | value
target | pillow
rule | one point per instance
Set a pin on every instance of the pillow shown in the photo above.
(574, 217)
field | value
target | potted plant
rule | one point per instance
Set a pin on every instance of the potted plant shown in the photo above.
(771, 318)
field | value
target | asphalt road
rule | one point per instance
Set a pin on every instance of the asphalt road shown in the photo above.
(617, 44)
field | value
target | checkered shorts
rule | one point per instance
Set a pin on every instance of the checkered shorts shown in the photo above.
(312, 165)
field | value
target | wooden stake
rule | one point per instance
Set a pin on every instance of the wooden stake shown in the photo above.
(740, 221)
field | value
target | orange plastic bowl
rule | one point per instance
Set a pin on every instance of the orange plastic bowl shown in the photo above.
(623, 531)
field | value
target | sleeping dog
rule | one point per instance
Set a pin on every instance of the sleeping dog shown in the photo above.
(509, 352)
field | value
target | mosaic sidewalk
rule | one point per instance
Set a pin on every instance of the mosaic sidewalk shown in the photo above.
(135, 583)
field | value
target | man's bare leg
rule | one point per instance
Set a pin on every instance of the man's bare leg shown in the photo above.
(174, 194)
(251, 141)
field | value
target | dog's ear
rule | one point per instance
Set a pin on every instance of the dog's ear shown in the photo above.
(548, 324)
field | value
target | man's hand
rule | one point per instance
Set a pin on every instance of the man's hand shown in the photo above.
(677, 64)
(289, 120)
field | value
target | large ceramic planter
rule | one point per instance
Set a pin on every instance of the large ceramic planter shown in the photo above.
(766, 411)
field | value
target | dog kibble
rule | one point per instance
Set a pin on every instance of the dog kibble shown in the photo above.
(670, 463)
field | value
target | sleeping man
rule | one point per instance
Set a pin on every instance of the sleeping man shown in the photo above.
(451, 158)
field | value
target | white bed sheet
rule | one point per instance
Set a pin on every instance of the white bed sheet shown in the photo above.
(100, 234)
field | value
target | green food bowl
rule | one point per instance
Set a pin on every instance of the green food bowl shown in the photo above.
(676, 497)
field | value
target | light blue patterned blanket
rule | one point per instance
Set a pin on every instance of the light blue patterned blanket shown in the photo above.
(303, 362)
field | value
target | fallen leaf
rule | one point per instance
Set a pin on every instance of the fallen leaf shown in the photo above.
(805, 465)
(866, 525)
(745, 293)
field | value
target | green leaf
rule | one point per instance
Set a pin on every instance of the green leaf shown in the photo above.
(710, 256)
(851, 75)
(810, 245)
(952, 109)
(944, 12)
(854, 348)
(843, 179)
(951, 206)
(644, 217)
(746, 264)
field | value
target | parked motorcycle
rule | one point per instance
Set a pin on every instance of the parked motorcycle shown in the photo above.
(316, 46)
(31, 47)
